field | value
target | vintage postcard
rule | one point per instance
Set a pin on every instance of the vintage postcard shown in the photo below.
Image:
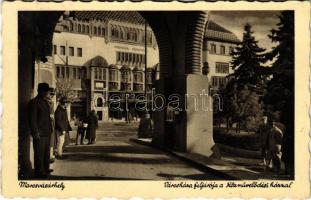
(151, 99)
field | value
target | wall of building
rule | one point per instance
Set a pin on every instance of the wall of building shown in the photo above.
(218, 57)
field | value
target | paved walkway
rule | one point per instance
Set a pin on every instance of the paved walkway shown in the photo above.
(115, 157)
(229, 167)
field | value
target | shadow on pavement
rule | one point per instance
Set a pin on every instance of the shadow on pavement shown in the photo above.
(107, 157)
(82, 178)
(111, 149)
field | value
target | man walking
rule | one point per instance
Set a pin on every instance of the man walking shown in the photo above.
(41, 130)
(264, 130)
(62, 125)
(275, 145)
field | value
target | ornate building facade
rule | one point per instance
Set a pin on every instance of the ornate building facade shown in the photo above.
(103, 56)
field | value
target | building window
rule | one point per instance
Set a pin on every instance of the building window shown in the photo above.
(222, 50)
(126, 76)
(74, 73)
(67, 72)
(83, 28)
(100, 76)
(83, 73)
(219, 81)
(99, 102)
(58, 75)
(213, 48)
(71, 51)
(79, 52)
(70, 27)
(79, 73)
(118, 57)
(99, 31)
(62, 50)
(95, 73)
(113, 76)
(87, 29)
(95, 31)
(62, 72)
(79, 28)
(138, 77)
(55, 49)
(103, 32)
(222, 68)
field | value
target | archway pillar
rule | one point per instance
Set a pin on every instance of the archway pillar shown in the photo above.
(192, 127)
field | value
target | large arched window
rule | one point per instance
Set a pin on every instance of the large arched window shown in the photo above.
(103, 31)
(70, 26)
(99, 30)
(121, 34)
(95, 31)
(83, 28)
(99, 102)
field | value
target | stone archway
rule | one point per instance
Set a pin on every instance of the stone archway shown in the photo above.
(179, 36)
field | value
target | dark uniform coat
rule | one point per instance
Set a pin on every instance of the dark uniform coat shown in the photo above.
(92, 122)
(41, 129)
(39, 118)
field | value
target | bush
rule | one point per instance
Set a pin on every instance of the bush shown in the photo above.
(248, 141)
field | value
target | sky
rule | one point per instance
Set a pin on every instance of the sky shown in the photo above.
(261, 21)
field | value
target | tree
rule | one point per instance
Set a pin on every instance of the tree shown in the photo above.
(247, 60)
(245, 109)
(280, 95)
(64, 88)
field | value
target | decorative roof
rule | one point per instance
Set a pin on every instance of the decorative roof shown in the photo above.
(127, 16)
(112, 66)
(217, 32)
(99, 61)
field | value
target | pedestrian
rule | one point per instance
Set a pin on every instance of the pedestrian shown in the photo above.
(275, 145)
(62, 125)
(92, 122)
(53, 143)
(145, 128)
(80, 131)
(41, 130)
(263, 133)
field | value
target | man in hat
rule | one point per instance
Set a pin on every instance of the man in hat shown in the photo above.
(62, 125)
(41, 129)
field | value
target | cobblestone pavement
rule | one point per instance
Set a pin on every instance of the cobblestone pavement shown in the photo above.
(114, 157)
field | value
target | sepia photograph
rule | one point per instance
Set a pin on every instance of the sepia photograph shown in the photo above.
(136, 95)
(151, 99)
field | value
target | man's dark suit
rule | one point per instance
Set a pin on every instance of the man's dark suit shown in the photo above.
(41, 129)
(61, 120)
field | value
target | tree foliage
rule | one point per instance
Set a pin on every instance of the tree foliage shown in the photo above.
(280, 96)
(64, 88)
(247, 60)
(281, 86)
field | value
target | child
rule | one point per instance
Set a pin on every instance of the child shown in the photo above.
(80, 131)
